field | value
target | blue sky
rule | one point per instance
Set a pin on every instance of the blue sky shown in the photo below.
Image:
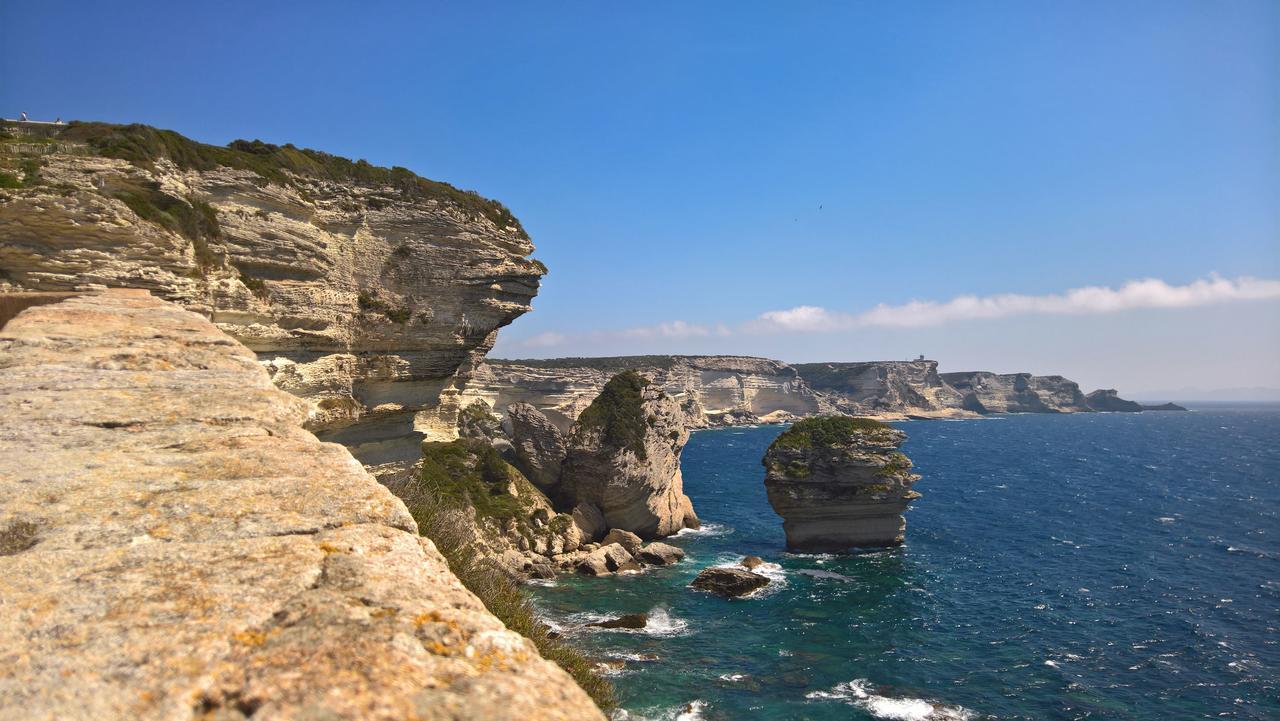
(685, 168)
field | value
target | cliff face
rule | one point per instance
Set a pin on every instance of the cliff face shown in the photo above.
(711, 390)
(174, 545)
(370, 292)
(884, 388)
(839, 483)
(624, 459)
(1017, 393)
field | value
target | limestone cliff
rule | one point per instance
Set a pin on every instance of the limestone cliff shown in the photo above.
(371, 292)
(885, 389)
(173, 545)
(624, 459)
(711, 390)
(985, 392)
(839, 483)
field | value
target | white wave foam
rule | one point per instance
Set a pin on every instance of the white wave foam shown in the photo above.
(543, 582)
(857, 693)
(660, 624)
(707, 529)
(774, 572)
(734, 677)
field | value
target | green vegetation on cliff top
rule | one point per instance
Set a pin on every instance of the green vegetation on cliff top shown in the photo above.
(469, 472)
(825, 431)
(143, 145)
(618, 413)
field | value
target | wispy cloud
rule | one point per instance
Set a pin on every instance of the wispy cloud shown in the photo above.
(1091, 300)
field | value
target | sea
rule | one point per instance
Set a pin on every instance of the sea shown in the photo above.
(1088, 566)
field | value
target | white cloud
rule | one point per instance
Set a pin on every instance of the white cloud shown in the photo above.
(1135, 294)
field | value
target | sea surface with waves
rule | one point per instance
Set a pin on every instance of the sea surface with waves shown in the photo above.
(1091, 566)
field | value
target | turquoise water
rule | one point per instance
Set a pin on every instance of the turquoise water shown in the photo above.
(1101, 566)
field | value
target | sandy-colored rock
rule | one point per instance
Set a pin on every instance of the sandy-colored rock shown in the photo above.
(660, 554)
(196, 554)
(588, 519)
(710, 390)
(539, 446)
(839, 483)
(372, 301)
(605, 560)
(626, 539)
(624, 458)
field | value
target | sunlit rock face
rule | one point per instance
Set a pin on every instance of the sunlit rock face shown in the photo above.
(985, 392)
(710, 390)
(884, 389)
(624, 459)
(167, 518)
(840, 483)
(370, 292)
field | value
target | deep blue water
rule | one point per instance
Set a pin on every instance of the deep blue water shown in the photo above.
(1100, 566)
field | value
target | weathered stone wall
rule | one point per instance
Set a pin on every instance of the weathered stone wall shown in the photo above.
(174, 546)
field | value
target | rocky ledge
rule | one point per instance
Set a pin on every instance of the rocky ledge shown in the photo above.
(173, 545)
(369, 291)
(839, 483)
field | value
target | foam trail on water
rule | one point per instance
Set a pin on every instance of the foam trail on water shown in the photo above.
(857, 693)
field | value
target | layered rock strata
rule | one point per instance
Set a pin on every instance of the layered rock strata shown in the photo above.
(885, 389)
(176, 546)
(984, 392)
(710, 390)
(370, 292)
(624, 459)
(839, 483)
(730, 390)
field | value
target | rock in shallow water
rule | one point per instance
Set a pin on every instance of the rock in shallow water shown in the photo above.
(661, 554)
(630, 620)
(729, 582)
(840, 483)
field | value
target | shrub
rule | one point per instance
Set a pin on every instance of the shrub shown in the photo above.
(280, 164)
(255, 285)
(454, 477)
(825, 431)
(192, 218)
(618, 413)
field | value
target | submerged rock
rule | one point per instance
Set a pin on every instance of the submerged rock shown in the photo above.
(840, 482)
(729, 582)
(624, 458)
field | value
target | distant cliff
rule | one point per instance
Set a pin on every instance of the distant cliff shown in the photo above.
(711, 390)
(369, 291)
(735, 390)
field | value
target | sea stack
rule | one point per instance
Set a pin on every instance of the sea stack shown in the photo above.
(840, 483)
(624, 459)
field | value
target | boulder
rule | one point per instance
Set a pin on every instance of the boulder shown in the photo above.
(661, 554)
(539, 446)
(624, 458)
(839, 483)
(751, 562)
(605, 560)
(630, 620)
(590, 521)
(729, 582)
(626, 539)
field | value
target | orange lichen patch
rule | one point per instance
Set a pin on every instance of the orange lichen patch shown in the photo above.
(429, 617)
(254, 637)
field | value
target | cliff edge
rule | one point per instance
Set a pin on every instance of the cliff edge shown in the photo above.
(174, 545)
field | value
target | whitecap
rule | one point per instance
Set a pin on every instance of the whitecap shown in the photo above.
(858, 693)
(1166, 519)
(734, 677)
(707, 529)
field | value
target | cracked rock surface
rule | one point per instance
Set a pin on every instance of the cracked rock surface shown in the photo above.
(173, 545)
